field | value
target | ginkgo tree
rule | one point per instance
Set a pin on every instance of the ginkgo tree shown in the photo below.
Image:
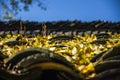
(10, 8)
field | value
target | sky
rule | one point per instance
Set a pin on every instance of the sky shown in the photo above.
(83, 10)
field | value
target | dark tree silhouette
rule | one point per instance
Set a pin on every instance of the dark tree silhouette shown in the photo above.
(11, 8)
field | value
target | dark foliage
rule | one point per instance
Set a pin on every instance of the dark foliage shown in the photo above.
(12, 7)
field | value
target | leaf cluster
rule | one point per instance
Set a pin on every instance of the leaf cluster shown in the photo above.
(12, 7)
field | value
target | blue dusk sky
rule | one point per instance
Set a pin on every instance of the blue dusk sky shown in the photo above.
(84, 10)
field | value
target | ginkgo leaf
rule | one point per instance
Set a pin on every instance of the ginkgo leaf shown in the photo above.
(78, 51)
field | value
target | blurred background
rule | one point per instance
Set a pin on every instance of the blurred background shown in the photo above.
(57, 10)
